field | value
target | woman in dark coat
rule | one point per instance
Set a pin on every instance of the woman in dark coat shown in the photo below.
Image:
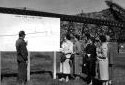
(90, 60)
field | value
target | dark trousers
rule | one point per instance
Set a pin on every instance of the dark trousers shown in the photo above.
(22, 72)
(91, 65)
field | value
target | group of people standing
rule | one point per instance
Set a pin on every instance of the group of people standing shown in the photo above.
(70, 48)
(96, 57)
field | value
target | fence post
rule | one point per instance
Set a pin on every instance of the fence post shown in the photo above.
(54, 65)
(28, 67)
(0, 67)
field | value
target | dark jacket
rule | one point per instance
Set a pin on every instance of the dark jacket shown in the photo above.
(91, 49)
(22, 52)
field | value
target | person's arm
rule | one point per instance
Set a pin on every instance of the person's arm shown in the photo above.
(62, 48)
(23, 51)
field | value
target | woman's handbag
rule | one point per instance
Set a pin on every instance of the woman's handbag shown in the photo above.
(62, 57)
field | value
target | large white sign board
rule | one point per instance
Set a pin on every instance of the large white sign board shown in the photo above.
(42, 33)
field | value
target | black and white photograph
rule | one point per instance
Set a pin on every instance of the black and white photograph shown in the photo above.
(62, 42)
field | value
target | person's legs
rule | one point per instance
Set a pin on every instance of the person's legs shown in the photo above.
(19, 78)
(88, 79)
(61, 71)
(77, 67)
(72, 68)
(66, 69)
(61, 68)
(67, 78)
(91, 72)
(22, 73)
(105, 82)
(97, 70)
(110, 73)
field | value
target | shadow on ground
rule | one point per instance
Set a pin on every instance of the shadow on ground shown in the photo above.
(36, 72)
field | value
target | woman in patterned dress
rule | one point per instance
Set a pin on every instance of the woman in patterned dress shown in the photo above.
(67, 50)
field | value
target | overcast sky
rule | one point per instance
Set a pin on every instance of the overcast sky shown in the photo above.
(60, 6)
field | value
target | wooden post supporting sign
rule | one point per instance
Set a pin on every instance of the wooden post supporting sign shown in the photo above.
(0, 67)
(54, 65)
(28, 67)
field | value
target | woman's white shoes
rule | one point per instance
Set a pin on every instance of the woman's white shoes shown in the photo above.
(62, 79)
(67, 79)
(90, 83)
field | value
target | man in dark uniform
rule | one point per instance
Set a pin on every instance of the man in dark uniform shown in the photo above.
(22, 55)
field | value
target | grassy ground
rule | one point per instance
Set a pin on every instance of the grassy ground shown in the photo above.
(119, 70)
(42, 67)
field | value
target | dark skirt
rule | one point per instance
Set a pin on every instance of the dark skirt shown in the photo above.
(91, 65)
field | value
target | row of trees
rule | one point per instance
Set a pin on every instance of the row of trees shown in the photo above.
(93, 29)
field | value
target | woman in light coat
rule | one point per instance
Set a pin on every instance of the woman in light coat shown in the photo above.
(102, 53)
